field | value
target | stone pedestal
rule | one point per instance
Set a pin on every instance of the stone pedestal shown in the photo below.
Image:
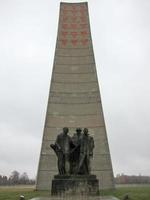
(75, 184)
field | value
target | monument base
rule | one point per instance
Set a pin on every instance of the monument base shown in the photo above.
(75, 184)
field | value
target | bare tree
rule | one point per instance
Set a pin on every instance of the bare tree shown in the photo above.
(14, 178)
(24, 179)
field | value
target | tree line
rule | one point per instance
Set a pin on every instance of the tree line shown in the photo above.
(132, 179)
(16, 179)
(23, 179)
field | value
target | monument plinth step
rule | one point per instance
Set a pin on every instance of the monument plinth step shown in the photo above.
(83, 177)
(77, 197)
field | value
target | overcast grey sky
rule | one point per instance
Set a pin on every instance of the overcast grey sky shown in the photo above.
(121, 39)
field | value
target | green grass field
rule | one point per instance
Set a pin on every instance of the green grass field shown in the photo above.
(13, 193)
(135, 193)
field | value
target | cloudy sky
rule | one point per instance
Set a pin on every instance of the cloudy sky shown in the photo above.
(121, 39)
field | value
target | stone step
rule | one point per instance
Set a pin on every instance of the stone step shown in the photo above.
(77, 197)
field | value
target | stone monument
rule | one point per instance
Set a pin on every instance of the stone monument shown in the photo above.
(74, 164)
(74, 101)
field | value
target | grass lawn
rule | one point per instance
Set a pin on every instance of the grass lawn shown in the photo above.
(135, 193)
(13, 193)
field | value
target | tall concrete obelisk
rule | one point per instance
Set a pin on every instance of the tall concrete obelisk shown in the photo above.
(74, 98)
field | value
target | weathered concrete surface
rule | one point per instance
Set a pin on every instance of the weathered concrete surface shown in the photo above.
(74, 98)
(75, 185)
(75, 198)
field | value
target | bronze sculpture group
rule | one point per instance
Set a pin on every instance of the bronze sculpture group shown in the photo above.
(74, 153)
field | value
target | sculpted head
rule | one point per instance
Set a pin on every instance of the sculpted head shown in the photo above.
(85, 131)
(78, 130)
(65, 130)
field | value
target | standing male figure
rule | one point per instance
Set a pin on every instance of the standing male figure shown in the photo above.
(91, 147)
(74, 158)
(62, 149)
(86, 152)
